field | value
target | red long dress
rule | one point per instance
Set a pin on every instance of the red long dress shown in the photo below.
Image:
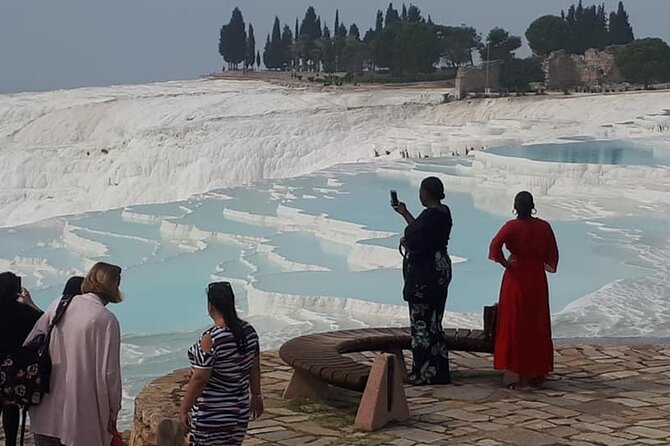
(523, 336)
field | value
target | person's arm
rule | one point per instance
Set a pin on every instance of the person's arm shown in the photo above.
(200, 376)
(551, 257)
(42, 325)
(496, 248)
(255, 387)
(27, 299)
(113, 373)
(401, 209)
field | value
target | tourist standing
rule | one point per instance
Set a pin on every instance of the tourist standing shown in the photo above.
(427, 274)
(18, 315)
(84, 400)
(523, 347)
(225, 385)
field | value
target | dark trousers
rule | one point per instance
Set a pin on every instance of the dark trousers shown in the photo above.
(430, 356)
(10, 423)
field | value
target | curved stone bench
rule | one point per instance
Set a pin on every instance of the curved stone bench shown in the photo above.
(322, 354)
(319, 359)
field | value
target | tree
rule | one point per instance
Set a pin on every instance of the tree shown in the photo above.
(391, 15)
(310, 33)
(258, 60)
(250, 58)
(403, 15)
(408, 48)
(414, 14)
(620, 31)
(337, 21)
(458, 43)
(273, 53)
(327, 51)
(353, 31)
(518, 74)
(233, 40)
(645, 61)
(224, 43)
(587, 28)
(354, 52)
(286, 48)
(500, 45)
(379, 22)
(546, 34)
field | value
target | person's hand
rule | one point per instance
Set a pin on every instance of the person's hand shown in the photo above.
(185, 422)
(111, 425)
(257, 406)
(509, 261)
(25, 297)
(400, 208)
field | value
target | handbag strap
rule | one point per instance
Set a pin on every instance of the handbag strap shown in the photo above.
(24, 415)
(60, 312)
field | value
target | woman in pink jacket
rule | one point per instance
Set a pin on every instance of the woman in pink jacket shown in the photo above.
(85, 397)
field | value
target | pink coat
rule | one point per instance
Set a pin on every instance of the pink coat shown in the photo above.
(86, 376)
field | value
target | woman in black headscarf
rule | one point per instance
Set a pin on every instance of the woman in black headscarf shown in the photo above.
(427, 274)
(18, 315)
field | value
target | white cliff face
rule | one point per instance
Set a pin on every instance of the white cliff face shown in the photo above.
(72, 151)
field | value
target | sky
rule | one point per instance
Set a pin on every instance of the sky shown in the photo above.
(48, 45)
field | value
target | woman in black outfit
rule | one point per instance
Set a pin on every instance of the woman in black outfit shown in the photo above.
(427, 274)
(18, 315)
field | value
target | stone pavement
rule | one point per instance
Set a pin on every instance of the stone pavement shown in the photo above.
(609, 395)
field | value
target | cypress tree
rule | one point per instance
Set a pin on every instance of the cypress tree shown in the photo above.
(267, 54)
(414, 14)
(391, 15)
(354, 32)
(236, 48)
(403, 16)
(310, 32)
(379, 23)
(223, 43)
(251, 48)
(258, 59)
(621, 33)
(337, 21)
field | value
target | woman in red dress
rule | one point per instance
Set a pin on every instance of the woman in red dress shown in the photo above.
(523, 347)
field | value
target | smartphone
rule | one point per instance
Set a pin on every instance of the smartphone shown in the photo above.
(394, 198)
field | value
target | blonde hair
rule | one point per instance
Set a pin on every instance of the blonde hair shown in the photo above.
(103, 280)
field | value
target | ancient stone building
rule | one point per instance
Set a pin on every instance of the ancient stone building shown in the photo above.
(474, 79)
(592, 70)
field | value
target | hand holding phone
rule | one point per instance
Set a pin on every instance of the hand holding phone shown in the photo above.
(394, 198)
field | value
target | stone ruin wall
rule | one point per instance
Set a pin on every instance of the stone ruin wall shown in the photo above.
(472, 79)
(592, 70)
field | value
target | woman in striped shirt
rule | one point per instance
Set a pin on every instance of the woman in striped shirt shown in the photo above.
(224, 390)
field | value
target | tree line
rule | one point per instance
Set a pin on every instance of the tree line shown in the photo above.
(406, 42)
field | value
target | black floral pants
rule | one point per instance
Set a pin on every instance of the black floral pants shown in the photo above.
(430, 362)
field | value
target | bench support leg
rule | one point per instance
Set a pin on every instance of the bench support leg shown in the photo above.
(401, 361)
(384, 397)
(303, 385)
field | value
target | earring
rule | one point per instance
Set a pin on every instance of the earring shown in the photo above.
(534, 211)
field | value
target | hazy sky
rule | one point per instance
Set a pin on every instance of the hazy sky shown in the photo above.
(47, 45)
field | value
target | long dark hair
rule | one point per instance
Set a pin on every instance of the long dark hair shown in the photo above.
(73, 286)
(524, 205)
(220, 296)
(10, 287)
